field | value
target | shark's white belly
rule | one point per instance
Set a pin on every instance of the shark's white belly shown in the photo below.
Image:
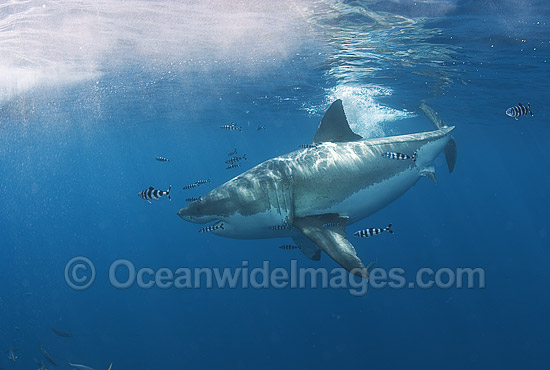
(371, 199)
(363, 203)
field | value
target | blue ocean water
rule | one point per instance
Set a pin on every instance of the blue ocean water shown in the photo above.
(92, 91)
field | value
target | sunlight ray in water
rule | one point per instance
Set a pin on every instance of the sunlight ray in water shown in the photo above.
(58, 42)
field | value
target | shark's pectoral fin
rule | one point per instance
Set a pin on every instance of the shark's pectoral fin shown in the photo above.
(332, 240)
(308, 247)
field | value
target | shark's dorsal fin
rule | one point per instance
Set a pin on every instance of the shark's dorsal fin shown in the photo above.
(334, 126)
(332, 240)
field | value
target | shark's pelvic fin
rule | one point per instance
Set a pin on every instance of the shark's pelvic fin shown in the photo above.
(429, 172)
(334, 126)
(450, 149)
(308, 247)
(332, 240)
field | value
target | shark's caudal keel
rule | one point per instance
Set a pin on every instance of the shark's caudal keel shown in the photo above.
(341, 180)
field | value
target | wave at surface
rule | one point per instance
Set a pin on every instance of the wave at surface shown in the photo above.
(55, 42)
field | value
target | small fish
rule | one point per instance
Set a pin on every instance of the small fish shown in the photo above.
(77, 366)
(110, 366)
(11, 355)
(236, 159)
(519, 110)
(47, 355)
(232, 153)
(371, 232)
(234, 165)
(260, 128)
(308, 146)
(62, 333)
(330, 224)
(400, 156)
(190, 186)
(281, 227)
(232, 127)
(288, 247)
(210, 228)
(200, 182)
(162, 159)
(152, 193)
(192, 199)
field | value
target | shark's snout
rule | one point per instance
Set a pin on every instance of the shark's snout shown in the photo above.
(192, 213)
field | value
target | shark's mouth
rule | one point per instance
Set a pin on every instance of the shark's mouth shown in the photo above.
(187, 214)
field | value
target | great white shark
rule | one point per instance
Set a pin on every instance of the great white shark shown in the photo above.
(339, 180)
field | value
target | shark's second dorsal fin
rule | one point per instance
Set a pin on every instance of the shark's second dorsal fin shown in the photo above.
(334, 126)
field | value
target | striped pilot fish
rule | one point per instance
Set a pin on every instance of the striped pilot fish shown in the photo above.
(162, 159)
(190, 186)
(281, 227)
(210, 228)
(288, 247)
(519, 110)
(365, 233)
(307, 146)
(200, 182)
(232, 152)
(235, 159)
(192, 199)
(153, 193)
(234, 165)
(399, 156)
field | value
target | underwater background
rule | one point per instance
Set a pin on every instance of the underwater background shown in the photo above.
(92, 91)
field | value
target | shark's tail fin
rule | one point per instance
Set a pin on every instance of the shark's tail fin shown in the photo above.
(450, 149)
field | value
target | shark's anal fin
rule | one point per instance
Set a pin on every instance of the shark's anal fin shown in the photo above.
(334, 126)
(332, 240)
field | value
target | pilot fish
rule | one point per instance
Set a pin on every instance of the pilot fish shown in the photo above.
(519, 110)
(371, 232)
(153, 193)
(399, 156)
(288, 247)
(236, 159)
(210, 228)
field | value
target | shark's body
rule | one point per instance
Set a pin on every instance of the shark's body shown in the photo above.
(341, 180)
